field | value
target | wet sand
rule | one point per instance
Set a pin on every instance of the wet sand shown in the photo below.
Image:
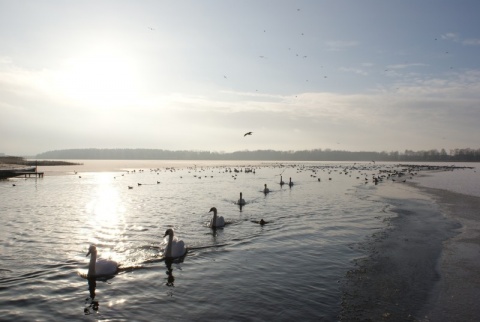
(425, 266)
(455, 297)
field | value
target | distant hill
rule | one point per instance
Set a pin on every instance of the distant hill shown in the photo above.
(456, 155)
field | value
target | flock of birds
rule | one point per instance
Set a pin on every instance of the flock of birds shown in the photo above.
(176, 248)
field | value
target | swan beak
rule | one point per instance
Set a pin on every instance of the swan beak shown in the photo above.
(88, 254)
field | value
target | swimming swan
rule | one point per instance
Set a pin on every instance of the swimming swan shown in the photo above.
(266, 190)
(101, 267)
(175, 247)
(216, 221)
(241, 201)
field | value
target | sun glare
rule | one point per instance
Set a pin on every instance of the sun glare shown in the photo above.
(105, 210)
(102, 77)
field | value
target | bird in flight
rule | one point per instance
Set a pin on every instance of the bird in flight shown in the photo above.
(248, 133)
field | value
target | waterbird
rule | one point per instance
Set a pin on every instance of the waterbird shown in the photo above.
(175, 247)
(241, 201)
(101, 267)
(216, 221)
(248, 133)
(266, 190)
(260, 222)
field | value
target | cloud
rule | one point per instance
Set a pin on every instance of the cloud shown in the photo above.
(354, 70)
(339, 45)
(403, 66)
(457, 38)
(408, 114)
(471, 42)
(450, 36)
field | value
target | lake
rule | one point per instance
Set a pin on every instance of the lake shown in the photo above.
(293, 267)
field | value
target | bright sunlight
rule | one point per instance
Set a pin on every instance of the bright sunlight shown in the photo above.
(101, 77)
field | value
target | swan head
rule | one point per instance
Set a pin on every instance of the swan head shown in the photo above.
(91, 250)
(168, 232)
(214, 210)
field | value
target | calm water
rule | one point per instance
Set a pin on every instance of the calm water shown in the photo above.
(291, 268)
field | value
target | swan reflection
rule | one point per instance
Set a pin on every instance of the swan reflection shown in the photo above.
(92, 305)
(169, 272)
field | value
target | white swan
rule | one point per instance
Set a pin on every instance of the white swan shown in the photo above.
(101, 267)
(175, 247)
(216, 221)
(241, 201)
(266, 190)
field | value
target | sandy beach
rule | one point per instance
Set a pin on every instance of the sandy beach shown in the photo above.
(425, 266)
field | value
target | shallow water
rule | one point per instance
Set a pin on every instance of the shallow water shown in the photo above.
(292, 267)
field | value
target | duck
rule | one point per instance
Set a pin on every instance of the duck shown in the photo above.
(101, 267)
(266, 190)
(241, 201)
(175, 247)
(260, 222)
(216, 222)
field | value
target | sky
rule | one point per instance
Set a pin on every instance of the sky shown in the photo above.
(368, 75)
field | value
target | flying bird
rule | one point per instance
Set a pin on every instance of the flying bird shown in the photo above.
(248, 133)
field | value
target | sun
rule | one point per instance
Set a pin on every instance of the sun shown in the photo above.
(101, 77)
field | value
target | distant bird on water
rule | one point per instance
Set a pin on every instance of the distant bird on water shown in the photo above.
(248, 133)
(216, 221)
(266, 190)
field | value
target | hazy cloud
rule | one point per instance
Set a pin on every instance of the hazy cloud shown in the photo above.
(339, 45)
(471, 42)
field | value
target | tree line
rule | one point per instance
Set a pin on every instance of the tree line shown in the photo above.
(454, 155)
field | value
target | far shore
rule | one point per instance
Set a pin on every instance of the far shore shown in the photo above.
(10, 162)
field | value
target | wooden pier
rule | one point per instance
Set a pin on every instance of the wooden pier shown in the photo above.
(29, 174)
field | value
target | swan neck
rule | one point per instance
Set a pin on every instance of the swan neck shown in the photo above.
(168, 251)
(91, 266)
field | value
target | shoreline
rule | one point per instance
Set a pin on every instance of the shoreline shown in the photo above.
(455, 296)
(424, 265)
